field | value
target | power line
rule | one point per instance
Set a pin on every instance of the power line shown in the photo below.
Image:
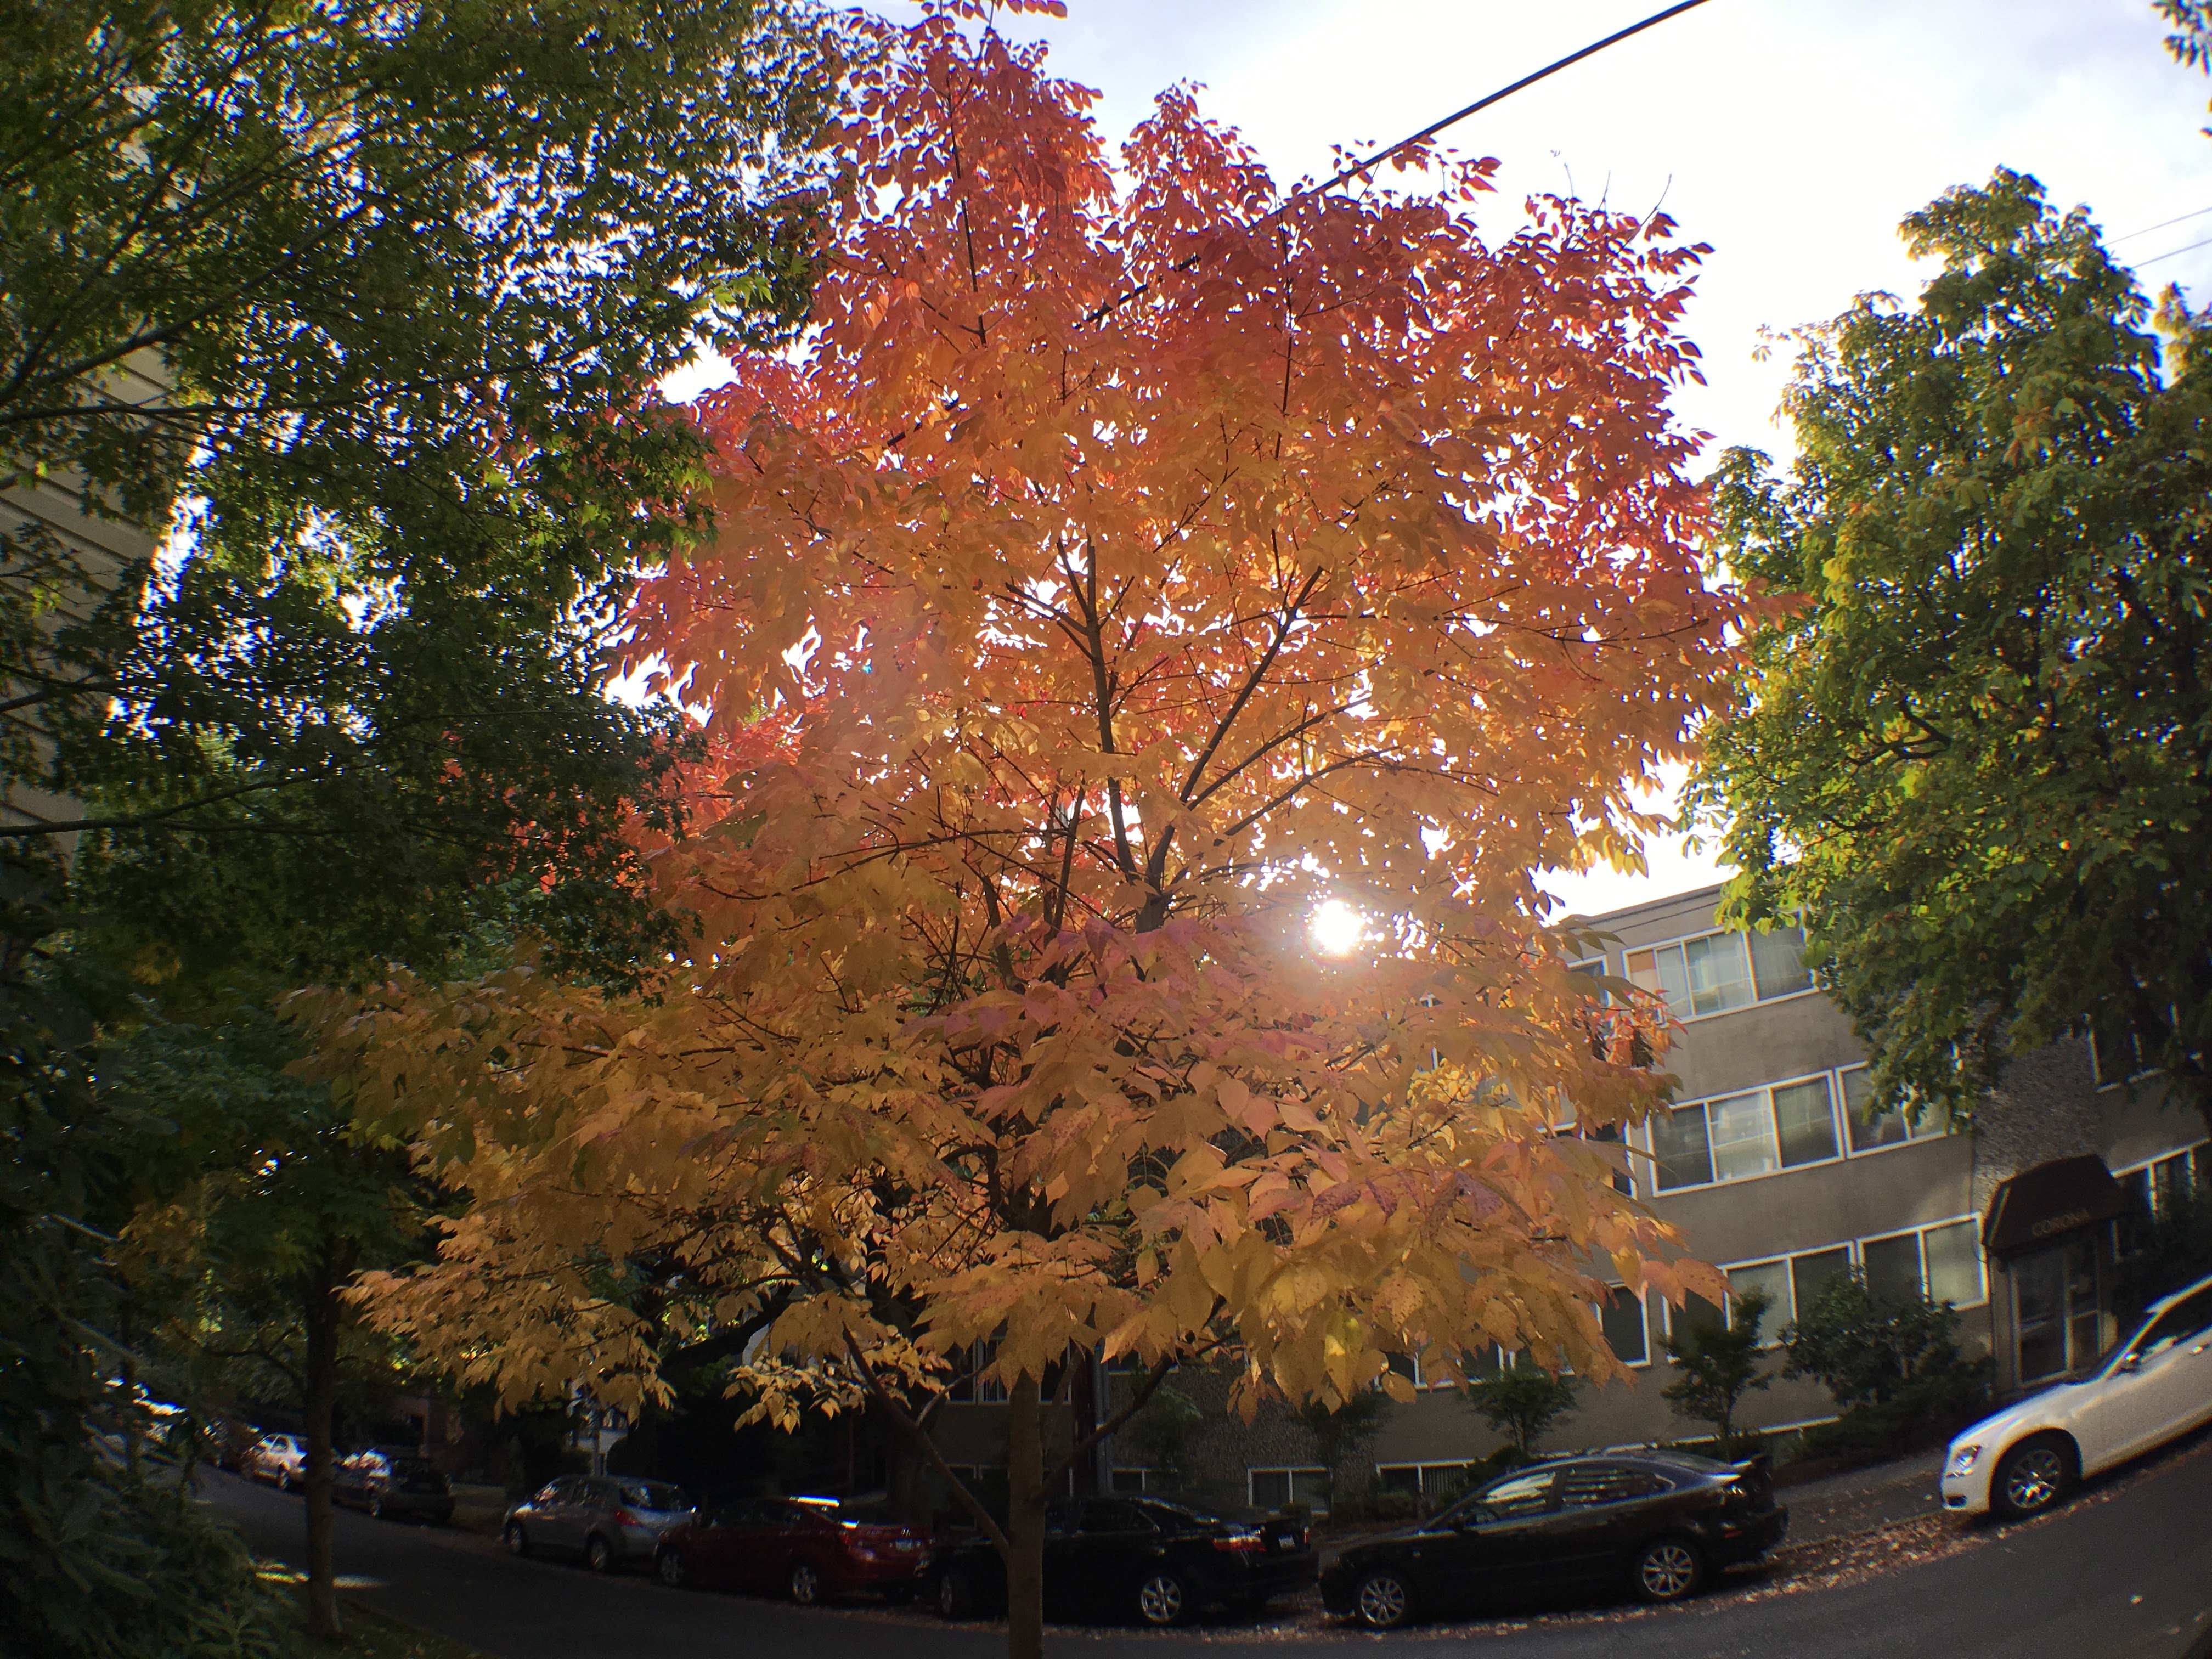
(1424, 134)
(2173, 252)
(1432, 131)
(2161, 225)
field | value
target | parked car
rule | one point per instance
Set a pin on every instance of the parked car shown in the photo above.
(1657, 1524)
(2154, 1384)
(230, 1443)
(1147, 1559)
(395, 1484)
(807, 1548)
(605, 1520)
(279, 1459)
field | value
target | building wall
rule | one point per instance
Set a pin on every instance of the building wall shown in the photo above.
(2047, 1105)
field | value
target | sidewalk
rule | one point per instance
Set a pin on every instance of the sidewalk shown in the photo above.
(1879, 1496)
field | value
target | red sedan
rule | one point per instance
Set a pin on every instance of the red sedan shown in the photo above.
(803, 1547)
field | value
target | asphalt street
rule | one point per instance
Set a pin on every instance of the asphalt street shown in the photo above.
(2124, 1571)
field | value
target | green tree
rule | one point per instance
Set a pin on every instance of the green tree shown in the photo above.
(365, 303)
(102, 1555)
(1341, 1430)
(251, 1223)
(1522, 1401)
(1892, 1364)
(361, 307)
(1977, 760)
(1719, 1361)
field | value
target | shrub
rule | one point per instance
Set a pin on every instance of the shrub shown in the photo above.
(1892, 1364)
(1521, 1402)
(1719, 1364)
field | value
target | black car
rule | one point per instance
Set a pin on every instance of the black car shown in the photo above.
(1145, 1558)
(1651, 1522)
(393, 1484)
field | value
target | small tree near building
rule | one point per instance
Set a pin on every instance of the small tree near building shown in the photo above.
(1521, 1402)
(1720, 1364)
(1892, 1364)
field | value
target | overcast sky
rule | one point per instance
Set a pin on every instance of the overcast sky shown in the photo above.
(1790, 135)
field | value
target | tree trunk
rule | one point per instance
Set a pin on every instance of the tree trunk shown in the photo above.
(1025, 1521)
(323, 1316)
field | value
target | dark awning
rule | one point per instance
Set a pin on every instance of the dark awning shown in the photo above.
(2040, 1204)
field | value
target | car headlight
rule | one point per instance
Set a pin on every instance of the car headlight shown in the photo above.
(1962, 1459)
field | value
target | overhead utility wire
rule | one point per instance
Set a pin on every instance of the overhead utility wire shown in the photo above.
(1480, 104)
(2180, 219)
(2172, 252)
(1423, 135)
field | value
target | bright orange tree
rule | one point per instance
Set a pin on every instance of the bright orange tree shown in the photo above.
(1131, 560)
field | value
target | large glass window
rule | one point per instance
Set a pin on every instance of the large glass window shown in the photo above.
(1773, 1279)
(1680, 1148)
(1721, 971)
(1954, 1263)
(1869, 1128)
(1621, 1316)
(1809, 1274)
(1739, 1136)
(1892, 1266)
(1277, 1489)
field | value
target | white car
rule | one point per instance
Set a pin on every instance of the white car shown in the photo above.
(278, 1458)
(2155, 1385)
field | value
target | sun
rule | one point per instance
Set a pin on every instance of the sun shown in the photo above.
(1336, 929)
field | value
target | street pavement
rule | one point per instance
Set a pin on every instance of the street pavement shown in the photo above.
(2124, 1571)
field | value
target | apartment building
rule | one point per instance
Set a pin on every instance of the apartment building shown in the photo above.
(1771, 1165)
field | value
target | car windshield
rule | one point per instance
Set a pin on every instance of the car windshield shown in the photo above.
(654, 1495)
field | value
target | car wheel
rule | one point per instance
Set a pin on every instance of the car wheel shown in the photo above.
(804, 1584)
(668, 1567)
(955, 1598)
(1383, 1601)
(518, 1541)
(376, 1507)
(283, 1480)
(2032, 1477)
(1162, 1599)
(1669, 1569)
(599, 1554)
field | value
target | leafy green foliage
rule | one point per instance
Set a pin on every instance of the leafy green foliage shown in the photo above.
(1719, 1363)
(374, 297)
(1340, 1431)
(1978, 761)
(1893, 1364)
(1522, 1401)
(100, 1553)
(2171, 1249)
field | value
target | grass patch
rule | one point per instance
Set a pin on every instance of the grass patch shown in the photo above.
(368, 1634)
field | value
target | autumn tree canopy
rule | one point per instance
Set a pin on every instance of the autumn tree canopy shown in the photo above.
(1135, 557)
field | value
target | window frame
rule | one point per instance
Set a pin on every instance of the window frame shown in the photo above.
(1682, 942)
(1290, 1472)
(1644, 1315)
(1641, 1139)
(1854, 1256)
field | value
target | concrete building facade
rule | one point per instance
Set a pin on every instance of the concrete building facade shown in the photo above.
(1768, 1161)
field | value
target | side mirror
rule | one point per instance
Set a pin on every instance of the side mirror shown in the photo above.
(2132, 1363)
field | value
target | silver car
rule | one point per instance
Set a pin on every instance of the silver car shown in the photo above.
(280, 1459)
(604, 1519)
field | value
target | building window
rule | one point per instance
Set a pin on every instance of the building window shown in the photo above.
(1871, 1130)
(1125, 1480)
(968, 1389)
(1790, 1282)
(1278, 1489)
(1434, 1484)
(1621, 1317)
(1739, 1136)
(1942, 1263)
(1698, 977)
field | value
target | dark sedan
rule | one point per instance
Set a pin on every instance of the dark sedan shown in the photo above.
(393, 1484)
(806, 1548)
(1655, 1523)
(1145, 1559)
